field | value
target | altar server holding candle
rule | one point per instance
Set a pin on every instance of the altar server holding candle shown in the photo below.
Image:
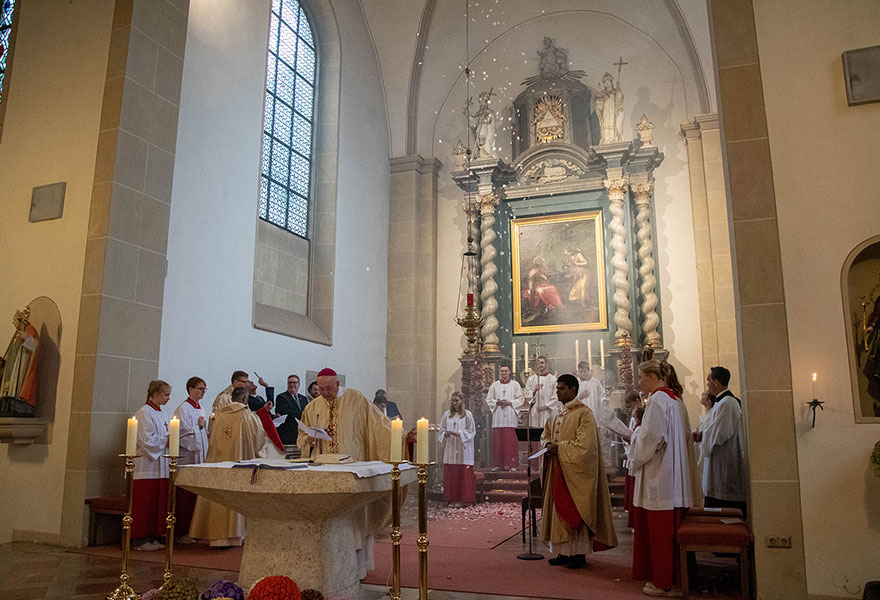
(150, 492)
(457, 431)
(193, 447)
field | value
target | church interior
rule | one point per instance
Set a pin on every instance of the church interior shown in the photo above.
(463, 185)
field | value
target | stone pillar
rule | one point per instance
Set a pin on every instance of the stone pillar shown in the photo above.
(120, 319)
(472, 212)
(412, 285)
(650, 319)
(616, 191)
(488, 287)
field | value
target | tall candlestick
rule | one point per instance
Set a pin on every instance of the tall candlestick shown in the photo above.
(526, 363)
(396, 440)
(602, 353)
(422, 441)
(590, 353)
(814, 386)
(131, 436)
(577, 353)
(513, 358)
(174, 437)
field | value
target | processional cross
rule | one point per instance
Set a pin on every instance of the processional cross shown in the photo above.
(619, 65)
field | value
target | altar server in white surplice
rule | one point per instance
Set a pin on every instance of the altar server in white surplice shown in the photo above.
(591, 393)
(193, 447)
(150, 489)
(541, 389)
(505, 397)
(457, 432)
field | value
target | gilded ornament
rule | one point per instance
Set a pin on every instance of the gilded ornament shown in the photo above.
(549, 119)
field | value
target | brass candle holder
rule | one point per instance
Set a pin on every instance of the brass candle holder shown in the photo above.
(124, 591)
(395, 531)
(422, 541)
(170, 518)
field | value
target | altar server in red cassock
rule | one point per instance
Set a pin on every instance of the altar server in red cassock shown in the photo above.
(150, 491)
(504, 398)
(193, 447)
(577, 506)
(457, 432)
(663, 461)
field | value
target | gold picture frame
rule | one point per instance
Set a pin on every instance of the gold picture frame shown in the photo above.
(558, 266)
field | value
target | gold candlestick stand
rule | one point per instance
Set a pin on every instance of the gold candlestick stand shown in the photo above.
(395, 531)
(124, 592)
(422, 542)
(170, 518)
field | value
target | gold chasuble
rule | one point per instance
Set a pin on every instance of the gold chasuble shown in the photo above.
(357, 428)
(577, 507)
(237, 434)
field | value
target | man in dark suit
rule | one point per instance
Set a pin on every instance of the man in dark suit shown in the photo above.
(256, 402)
(290, 403)
(389, 409)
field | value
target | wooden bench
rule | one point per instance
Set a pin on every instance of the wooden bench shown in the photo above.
(702, 533)
(110, 505)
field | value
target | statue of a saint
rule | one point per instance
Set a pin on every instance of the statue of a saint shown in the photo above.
(554, 61)
(18, 368)
(482, 124)
(609, 109)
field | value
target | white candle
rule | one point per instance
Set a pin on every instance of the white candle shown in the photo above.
(422, 441)
(131, 436)
(815, 396)
(577, 353)
(590, 353)
(513, 358)
(174, 437)
(602, 353)
(526, 359)
(396, 439)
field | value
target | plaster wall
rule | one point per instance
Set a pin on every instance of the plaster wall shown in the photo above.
(824, 156)
(207, 316)
(50, 135)
(652, 84)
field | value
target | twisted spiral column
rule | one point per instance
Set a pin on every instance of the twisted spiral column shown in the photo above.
(616, 191)
(650, 318)
(472, 210)
(488, 287)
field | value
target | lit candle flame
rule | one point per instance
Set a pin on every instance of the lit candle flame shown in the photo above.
(814, 377)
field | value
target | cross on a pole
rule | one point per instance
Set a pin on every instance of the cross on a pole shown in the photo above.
(619, 65)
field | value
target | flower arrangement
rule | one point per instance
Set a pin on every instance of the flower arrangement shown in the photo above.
(223, 590)
(150, 595)
(312, 594)
(275, 587)
(178, 589)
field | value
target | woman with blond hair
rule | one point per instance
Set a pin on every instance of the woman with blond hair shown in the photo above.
(457, 431)
(150, 490)
(663, 461)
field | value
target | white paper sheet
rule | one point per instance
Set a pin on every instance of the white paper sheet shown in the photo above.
(731, 521)
(538, 453)
(619, 428)
(279, 421)
(315, 432)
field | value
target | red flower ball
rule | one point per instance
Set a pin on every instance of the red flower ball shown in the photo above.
(275, 587)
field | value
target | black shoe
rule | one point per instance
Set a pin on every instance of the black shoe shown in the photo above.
(560, 560)
(578, 561)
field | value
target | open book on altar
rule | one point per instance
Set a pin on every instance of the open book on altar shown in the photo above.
(269, 463)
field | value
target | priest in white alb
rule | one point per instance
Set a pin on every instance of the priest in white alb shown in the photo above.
(591, 393)
(504, 398)
(357, 429)
(541, 393)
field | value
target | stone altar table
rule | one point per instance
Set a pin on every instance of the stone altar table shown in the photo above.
(297, 521)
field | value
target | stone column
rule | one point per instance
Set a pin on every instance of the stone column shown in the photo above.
(410, 370)
(650, 319)
(471, 208)
(488, 287)
(616, 191)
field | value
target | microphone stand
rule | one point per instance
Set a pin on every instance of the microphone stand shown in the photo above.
(530, 555)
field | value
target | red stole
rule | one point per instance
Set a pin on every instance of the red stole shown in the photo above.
(269, 426)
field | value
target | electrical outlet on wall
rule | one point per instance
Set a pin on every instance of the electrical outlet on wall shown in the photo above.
(777, 541)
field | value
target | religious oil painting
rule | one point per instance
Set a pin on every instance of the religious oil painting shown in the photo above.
(860, 283)
(558, 273)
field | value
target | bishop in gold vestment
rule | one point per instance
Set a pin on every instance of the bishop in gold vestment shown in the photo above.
(577, 506)
(357, 428)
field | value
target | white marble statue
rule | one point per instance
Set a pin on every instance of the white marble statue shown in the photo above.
(609, 109)
(482, 123)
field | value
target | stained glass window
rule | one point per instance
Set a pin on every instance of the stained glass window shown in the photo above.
(288, 123)
(6, 34)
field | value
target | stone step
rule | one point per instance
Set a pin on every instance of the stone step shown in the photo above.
(506, 484)
(506, 496)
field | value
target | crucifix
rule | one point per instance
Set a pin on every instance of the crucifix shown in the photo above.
(619, 65)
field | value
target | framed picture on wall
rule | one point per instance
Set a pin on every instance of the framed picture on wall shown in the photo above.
(861, 72)
(558, 273)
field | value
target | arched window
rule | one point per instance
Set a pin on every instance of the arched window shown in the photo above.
(286, 172)
(5, 41)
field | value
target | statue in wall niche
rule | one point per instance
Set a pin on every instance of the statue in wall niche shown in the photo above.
(18, 369)
(609, 109)
(482, 123)
(871, 341)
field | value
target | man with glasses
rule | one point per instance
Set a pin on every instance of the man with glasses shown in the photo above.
(239, 379)
(290, 403)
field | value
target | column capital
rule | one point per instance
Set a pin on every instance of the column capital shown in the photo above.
(616, 187)
(643, 192)
(488, 202)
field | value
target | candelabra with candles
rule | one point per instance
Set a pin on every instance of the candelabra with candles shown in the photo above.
(124, 591)
(815, 402)
(170, 518)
